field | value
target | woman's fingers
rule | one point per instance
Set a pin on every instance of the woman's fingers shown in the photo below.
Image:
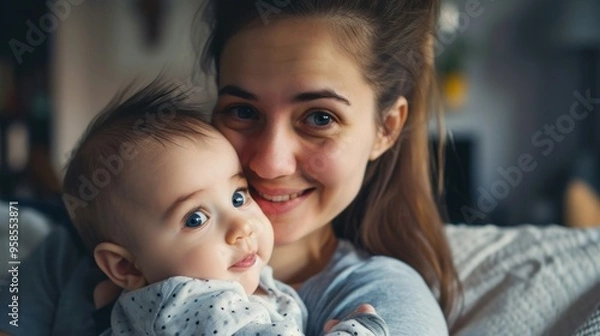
(330, 324)
(365, 308)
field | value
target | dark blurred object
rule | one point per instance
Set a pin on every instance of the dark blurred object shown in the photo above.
(587, 169)
(152, 15)
(578, 29)
(458, 178)
(579, 24)
(25, 107)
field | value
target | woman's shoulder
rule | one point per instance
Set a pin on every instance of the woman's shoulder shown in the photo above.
(348, 258)
(352, 269)
(398, 293)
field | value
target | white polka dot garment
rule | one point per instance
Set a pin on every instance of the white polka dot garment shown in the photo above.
(187, 306)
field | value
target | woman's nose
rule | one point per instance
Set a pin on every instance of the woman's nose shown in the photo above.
(239, 229)
(273, 155)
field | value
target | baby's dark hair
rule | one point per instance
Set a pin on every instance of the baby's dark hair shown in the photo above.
(158, 114)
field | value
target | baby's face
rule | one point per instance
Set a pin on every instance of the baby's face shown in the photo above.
(192, 214)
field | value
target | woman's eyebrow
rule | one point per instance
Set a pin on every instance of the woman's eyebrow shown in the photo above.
(237, 91)
(320, 94)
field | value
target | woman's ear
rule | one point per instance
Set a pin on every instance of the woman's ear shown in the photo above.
(119, 265)
(389, 132)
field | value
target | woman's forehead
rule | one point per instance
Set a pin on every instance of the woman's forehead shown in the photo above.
(286, 43)
(286, 56)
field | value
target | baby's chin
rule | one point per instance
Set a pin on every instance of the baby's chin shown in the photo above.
(251, 283)
(252, 288)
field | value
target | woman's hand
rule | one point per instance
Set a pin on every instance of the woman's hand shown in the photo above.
(363, 308)
(105, 293)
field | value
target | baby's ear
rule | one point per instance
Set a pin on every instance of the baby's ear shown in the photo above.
(119, 265)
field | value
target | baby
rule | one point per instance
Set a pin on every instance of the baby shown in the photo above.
(159, 197)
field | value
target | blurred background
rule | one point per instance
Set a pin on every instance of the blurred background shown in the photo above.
(520, 81)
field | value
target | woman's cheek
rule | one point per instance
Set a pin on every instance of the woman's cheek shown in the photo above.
(322, 159)
(335, 162)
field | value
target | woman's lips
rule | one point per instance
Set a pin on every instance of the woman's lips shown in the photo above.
(280, 198)
(280, 201)
(246, 262)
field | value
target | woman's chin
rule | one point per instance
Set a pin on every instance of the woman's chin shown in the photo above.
(286, 235)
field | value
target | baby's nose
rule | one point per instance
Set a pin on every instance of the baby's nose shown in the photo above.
(240, 228)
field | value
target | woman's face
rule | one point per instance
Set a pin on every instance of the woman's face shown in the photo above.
(302, 119)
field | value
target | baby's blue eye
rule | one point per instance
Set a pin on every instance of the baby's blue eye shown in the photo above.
(238, 199)
(196, 219)
(319, 119)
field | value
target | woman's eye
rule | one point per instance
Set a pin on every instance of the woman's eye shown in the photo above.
(238, 199)
(243, 112)
(196, 219)
(319, 119)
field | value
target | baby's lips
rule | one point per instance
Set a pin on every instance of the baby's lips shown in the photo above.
(245, 262)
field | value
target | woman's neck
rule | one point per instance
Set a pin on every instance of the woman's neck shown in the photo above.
(295, 263)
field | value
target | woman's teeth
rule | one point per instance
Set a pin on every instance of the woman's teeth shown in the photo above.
(280, 198)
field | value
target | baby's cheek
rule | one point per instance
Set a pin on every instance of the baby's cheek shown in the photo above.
(168, 262)
(260, 223)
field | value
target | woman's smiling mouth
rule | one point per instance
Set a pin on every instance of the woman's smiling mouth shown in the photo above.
(280, 198)
(276, 202)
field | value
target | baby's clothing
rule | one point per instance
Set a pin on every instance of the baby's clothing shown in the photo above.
(188, 306)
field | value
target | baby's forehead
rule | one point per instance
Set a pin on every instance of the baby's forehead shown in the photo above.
(151, 151)
(164, 164)
(154, 149)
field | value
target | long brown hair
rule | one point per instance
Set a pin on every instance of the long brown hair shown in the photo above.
(396, 212)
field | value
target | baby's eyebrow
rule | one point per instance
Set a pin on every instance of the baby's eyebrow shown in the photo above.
(238, 176)
(171, 209)
(237, 91)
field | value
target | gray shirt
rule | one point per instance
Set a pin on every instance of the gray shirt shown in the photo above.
(398, 293)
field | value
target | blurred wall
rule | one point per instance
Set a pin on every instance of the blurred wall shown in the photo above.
(99, 48)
